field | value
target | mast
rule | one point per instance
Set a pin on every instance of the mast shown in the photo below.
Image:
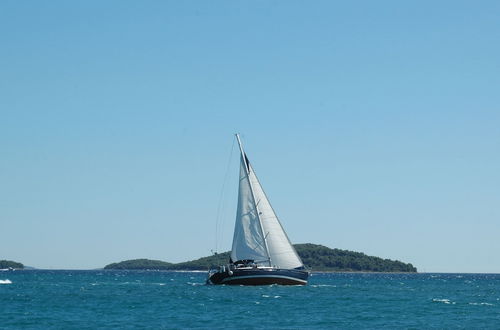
(247, 168)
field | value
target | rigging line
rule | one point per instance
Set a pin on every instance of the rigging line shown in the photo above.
(220, 206)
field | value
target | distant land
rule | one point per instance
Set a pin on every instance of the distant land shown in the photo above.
(5, 264)
(315, 257)
(140, 264)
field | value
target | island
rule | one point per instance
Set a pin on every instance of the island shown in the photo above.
(7, 264)
(315, 257)
(140, 264)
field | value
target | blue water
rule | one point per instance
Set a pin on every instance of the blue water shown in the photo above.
(166, 300)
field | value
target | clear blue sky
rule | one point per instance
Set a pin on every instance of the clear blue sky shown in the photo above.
(374, 126)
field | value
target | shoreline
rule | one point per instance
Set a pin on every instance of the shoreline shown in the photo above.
(205, 271)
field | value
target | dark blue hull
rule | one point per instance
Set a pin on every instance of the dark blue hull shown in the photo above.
(259, 276)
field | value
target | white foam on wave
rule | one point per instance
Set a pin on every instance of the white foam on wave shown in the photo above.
(188, 271)
(481, 304)
(445, 301)
(5, 281)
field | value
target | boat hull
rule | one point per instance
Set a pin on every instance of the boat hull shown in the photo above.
(260, 277)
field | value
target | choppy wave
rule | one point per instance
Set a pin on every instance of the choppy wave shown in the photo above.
(480, 304)
(165, 300)
(5, 282)
(444, 301)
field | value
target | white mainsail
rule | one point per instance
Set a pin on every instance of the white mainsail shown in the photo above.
(248, 241)
(258, 234)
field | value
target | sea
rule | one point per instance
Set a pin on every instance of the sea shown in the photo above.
(61, 299)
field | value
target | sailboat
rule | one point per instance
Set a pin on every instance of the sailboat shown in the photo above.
(261, 253)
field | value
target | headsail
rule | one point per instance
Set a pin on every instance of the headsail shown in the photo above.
(258, 234)
(281, 251)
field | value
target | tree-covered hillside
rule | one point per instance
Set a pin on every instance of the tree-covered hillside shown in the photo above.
(4, 264)
(140, 264)
(315, 257)
(319, 257)
(203, 263)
